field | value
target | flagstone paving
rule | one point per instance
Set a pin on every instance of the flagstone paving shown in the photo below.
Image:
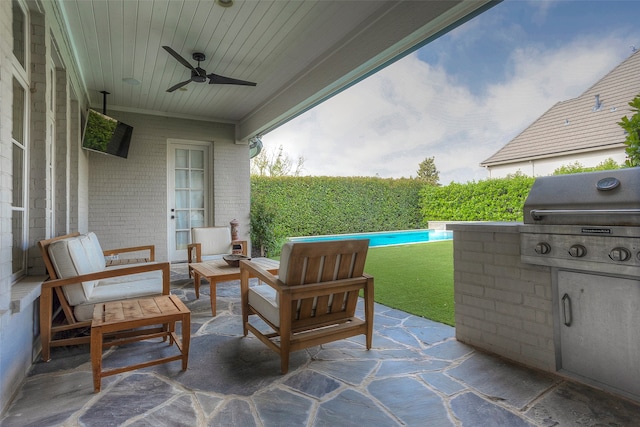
(417, 374)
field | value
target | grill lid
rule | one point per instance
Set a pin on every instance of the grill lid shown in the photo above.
(592, 198)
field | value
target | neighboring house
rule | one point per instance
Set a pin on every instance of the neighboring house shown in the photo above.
(57, 56)
(583, 129)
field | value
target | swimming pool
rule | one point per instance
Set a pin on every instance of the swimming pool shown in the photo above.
(385, 238)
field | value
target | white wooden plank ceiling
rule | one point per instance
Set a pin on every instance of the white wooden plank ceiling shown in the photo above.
(281, 45)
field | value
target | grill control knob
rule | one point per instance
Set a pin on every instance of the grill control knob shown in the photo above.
(542, 248)
(577, 251)
(620, 254)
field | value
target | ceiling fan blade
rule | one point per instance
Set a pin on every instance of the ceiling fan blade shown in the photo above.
(221, 80)
(178, 86)
(179, 58)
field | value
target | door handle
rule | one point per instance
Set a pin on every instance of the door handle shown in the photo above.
(566, 310)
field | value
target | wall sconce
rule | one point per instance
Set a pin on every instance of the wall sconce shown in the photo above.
(255, 146)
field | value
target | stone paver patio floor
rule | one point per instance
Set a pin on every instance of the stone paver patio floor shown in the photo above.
(417, 374)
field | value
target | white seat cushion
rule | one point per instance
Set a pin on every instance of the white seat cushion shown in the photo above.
(263, 299)
(121, 287)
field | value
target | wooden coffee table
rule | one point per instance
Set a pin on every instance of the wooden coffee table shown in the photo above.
(120, 318)
(219, 271)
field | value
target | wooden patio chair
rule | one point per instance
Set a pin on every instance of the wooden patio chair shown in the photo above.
(80, 278)
(313, 299)
(211, 243)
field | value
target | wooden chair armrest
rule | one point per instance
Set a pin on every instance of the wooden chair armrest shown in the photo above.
(150, 248)
(190, 248)
(116, 272)
(263, 275)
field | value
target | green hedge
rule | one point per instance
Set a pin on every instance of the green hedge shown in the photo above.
(307, 206)
(491, 200)
(288, 206)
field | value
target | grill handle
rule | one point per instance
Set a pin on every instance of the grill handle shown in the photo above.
(566, 309)
(538, 214)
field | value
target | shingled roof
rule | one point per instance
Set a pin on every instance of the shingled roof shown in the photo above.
(578, 125)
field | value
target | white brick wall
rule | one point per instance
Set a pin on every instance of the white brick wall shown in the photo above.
(39, 195)
(128, 197)
(502, 305)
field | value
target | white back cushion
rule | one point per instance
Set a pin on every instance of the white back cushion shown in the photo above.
(213, 240)
(284, 261)
(74, 256)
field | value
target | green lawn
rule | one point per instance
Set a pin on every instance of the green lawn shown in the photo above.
(416, 278)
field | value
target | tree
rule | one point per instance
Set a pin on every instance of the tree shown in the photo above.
(632, 129)
(578, 167)
(428, 172)
(263, 217)
(275, 164)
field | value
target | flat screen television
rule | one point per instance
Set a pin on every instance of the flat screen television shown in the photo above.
(106, 135)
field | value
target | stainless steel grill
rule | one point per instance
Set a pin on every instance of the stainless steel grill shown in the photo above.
(586, 227)
(597, 198)
(584, 221)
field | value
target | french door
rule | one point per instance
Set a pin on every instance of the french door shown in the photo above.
(188, 193)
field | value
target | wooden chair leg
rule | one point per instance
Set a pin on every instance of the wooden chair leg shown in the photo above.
(96, 357)
(285, 346)
(46, 307)
(196, 284)
(186, 338)
(368, 311)
(244, 295)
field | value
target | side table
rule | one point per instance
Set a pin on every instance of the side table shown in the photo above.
(124, 319)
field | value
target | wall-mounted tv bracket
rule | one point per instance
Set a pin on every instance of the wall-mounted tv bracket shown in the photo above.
(104, 101)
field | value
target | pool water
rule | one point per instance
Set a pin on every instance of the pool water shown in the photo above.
(385, 238)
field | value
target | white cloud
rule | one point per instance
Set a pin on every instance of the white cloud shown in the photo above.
(387, 124)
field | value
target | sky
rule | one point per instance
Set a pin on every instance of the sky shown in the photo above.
(465, 95)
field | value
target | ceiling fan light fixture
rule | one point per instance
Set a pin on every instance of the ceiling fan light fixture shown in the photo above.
(225, 3)
(131, 81)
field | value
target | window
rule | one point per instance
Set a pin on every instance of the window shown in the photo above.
(19, 33)
(18, 208)
(19, 142)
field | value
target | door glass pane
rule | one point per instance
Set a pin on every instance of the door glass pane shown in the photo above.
(197, 218)
(197, 180)
(197, 159)
(182, 199)
(182, 219)
(182, 239)
(197, 199)
(182, 159)
(182, 179)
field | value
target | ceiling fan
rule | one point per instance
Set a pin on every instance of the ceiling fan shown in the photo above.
(199, 75)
